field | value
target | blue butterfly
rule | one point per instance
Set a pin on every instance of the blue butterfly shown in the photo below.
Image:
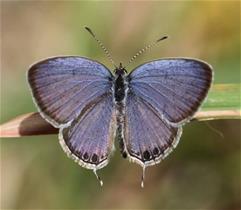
(145, 109)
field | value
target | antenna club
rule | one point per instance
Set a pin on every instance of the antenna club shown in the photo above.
(89, 30)
(162, 38)
(145, 49)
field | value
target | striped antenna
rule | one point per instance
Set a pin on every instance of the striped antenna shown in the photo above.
(145, 49)
(101, 45)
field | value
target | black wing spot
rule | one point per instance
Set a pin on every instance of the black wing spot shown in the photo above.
(86, 156)
(94, 158)
(124, 155)
(146, 155)
(155, 151)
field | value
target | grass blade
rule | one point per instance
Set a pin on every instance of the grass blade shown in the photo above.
(223, 102)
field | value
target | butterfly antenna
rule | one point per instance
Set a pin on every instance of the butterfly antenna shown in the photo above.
(145, 49)
(101, 46)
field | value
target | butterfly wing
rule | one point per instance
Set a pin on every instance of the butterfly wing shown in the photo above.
(147, 137)
(74, 94)
(89, 138)
(162, 96)
(174, 87)
(63, 86)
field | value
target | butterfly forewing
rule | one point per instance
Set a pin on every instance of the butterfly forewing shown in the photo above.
(89, 138)
(174, 87)
(63, 86)
(148, 138)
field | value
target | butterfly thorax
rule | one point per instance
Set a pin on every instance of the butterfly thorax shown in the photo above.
(120, 84)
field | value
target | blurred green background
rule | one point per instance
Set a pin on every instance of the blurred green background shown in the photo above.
(204, 170)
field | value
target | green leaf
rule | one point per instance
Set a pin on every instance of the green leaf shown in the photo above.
(223, 102)
(223, 97)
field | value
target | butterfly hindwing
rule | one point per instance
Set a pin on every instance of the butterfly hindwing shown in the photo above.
(147, 137)
(89, 138)
(63, 86)
(174, 87)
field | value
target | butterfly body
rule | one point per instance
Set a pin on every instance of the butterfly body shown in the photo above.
(145, 109)
(120, 93)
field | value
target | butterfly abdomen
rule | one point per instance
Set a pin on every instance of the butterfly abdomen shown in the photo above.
(120, 90)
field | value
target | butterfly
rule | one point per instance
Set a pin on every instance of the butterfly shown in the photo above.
(144, 110)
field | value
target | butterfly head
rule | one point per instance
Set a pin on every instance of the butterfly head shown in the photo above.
(119, 71)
